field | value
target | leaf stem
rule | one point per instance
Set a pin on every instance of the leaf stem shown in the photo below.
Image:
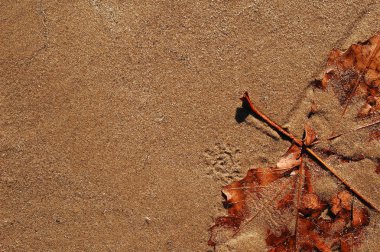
(271, 123)
(358, 128)
(299, 194)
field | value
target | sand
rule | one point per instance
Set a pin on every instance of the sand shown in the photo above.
(118, 117)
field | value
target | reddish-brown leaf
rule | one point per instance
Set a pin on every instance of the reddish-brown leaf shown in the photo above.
(311, 204)
(288, 199)
(322, 223)
(356, 72)
(310, 135)
(237, 192)
(342, 201)
(360, 217)
(291, 158)
(378, 167)
(375, 135)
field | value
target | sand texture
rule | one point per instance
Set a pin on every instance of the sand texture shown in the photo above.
(118, 125)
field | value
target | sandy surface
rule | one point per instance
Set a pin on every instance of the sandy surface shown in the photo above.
(118, 117)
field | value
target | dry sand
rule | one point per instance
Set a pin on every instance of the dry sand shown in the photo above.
(118, 117)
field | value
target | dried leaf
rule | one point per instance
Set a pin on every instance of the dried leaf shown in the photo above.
(284, 242)
(311, 205)
(310, 135)
(237, 196)
(321, 223)
(342, 201)
(288, 199)
(360, 217)
(315, 232)
(356, 72)
(291, 158)
(237, 192)
(375, 135)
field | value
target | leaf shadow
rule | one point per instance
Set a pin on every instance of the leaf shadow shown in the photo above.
(243, 112)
